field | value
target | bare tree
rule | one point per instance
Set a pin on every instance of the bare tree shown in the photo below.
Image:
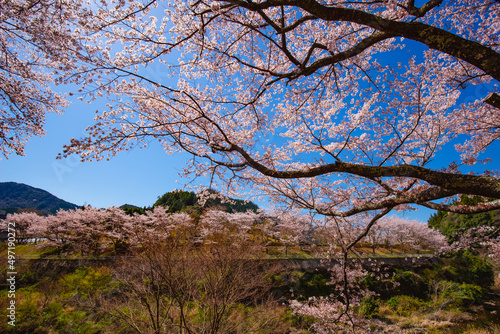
(171, 284)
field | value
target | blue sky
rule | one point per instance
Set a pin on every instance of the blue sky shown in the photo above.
(136, 177)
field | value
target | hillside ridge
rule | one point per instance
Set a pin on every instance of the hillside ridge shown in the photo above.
(15, 195)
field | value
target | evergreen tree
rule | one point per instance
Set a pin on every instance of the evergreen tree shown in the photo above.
(453, 224)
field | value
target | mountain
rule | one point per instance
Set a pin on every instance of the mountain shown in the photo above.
(21, 196)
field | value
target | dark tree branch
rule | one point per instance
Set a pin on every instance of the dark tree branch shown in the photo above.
(493, 99)
(457, 183)
(479, 208)
(474, 53)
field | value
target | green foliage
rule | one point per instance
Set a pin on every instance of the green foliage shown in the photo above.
(27, 278)
(369, 307)
(410, 283)
(452, 224)
(177, 201)
(406, 305)
(458, 295)
(184, 201)
(298, 320)
(132, 209)
(436, 221)
(302, 285)
(40, 309)
(87, 281)
(314, 285)
(28, 319)
(77, 321)
(457, 283)
(464, 267)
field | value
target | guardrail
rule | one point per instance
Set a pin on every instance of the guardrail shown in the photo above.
(408, 260)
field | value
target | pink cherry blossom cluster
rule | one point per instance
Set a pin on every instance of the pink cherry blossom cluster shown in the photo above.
(485, 237)
(41, 46)
(416, 235)
(221, 226)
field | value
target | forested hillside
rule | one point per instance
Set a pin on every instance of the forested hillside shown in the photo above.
(180, 200)
(15, 196)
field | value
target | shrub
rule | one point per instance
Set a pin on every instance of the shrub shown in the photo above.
(302, 285)
(369, 307)
(315, 285)
(87, 281)
(406, 305)
(410, 284)
(464, 267)
(458, 295)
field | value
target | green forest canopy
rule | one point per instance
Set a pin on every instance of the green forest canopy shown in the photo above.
(181, 200)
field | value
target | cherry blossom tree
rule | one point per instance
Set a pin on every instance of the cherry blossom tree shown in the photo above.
(291, 228)
(79, 230)
(216, 226)
(25, 225)
(409, 233)
(56, 230)
(375, 237)
(40, 46)
(118, 228)
(336, 312)
(303, 99)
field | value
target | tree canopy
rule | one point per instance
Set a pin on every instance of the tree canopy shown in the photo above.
(337, 107)
(179, 200)
(342, 108)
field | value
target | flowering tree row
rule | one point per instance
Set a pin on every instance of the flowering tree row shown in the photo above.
(91, 230)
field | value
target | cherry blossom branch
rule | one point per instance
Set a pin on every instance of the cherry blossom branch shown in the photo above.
(367, 228)
(467, 209)
(472, 52)
(457, 183)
